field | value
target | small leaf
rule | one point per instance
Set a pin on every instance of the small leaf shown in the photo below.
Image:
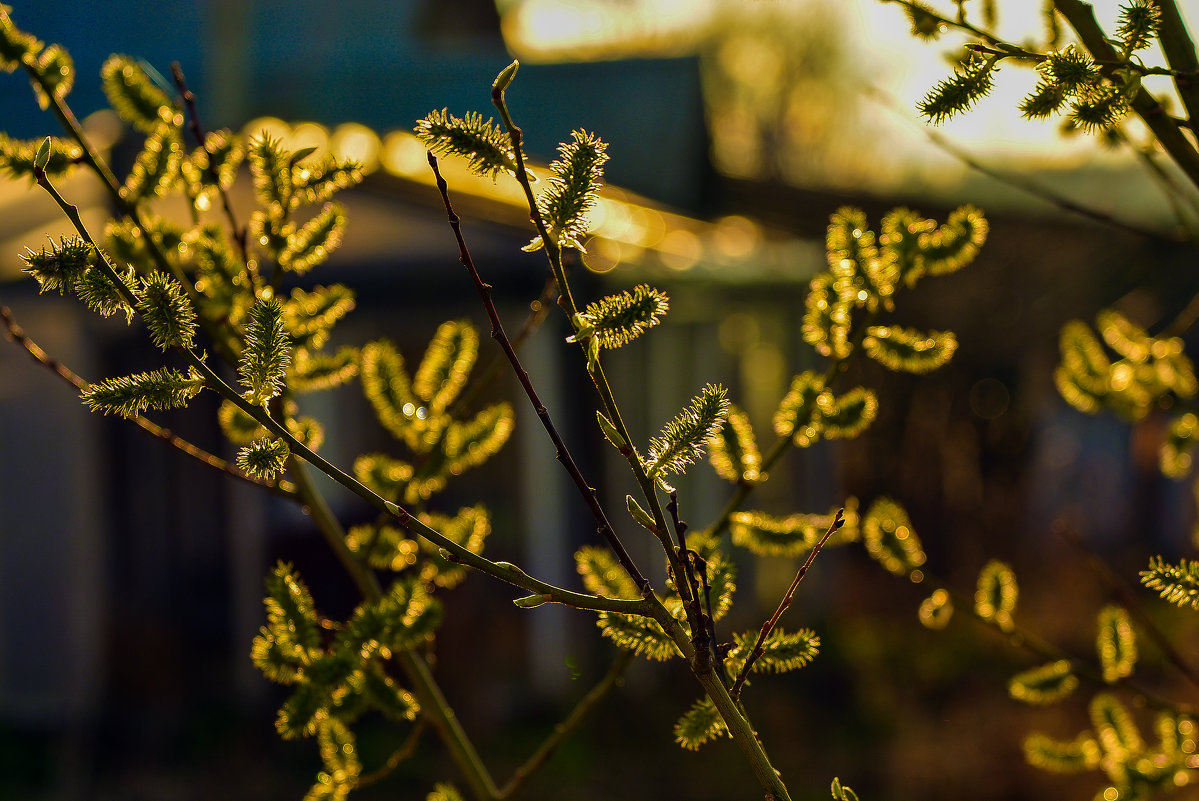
(733, 452)
(135, 97)
(504, 79)
(603, 575)
(18, 157)
(1046, 684)
(682, 440)
(1116, 644)
(312, 243)
(842, 792)
(446, 365)
(1178, 584)
(487, 149)
(641, 635)
(264, 457)
(131, 395)
(996, 595)
(267, 354)
(610, 431)
(617, 320)
(890, 539)
(908, 350)
(1071, 756)
(700, 724)
(42, 158)
(531, 601)
(640, 515)
(936, 610)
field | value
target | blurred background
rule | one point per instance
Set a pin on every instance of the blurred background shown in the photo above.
(131, 579)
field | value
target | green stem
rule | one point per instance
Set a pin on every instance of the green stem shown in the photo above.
(433, 702)
(439, 711)
(66, 118)
(501, 570)
(1180, 55)
(598, 377)
(1081, 17)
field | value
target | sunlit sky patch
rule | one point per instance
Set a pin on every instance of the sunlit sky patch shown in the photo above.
(895, 65)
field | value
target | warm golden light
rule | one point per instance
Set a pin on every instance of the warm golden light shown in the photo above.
(354, 141)
(403, 154)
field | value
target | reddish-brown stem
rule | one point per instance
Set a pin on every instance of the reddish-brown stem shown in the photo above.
(14, 332)
(562, 453)
(768, 626)
(189, 101)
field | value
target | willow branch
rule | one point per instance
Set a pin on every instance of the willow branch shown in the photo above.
(504, 571)
(433, 702)
(92, 159)
(1081, 17)
(1034, 188)
(1039, 647)
(567, 303)
(14, 332)
(1132, 602)
(562, 453)
(405, 751)
(193, 115)
(1180, 55)
(759, 646)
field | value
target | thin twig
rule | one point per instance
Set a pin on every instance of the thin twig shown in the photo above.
(1027, 185)
(14, 332)
(189, 101)
(1081, 16)
(406, 750)
(1130, 600)
(562, 453)
(702, 631)
(1036, 645)
(646, 607)
(569, 724)
(538, 310)
(1185, 319)
(768, 626)
(595, 369)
